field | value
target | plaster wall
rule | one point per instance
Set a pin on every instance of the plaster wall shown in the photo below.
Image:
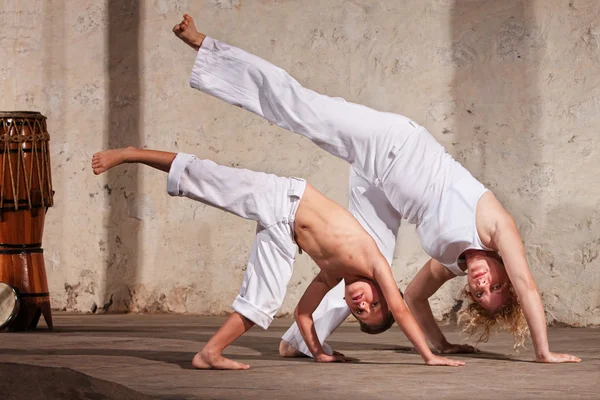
(511, 88)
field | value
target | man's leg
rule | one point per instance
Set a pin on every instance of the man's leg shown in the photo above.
(377, 216)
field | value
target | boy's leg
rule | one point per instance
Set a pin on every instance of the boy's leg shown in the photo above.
(265, 283)
(377, 216)
(230, 189)
(210, 356)
(268, 272)
(270, 200)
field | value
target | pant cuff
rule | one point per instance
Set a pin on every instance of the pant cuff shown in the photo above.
(252, 312)
(178, 167)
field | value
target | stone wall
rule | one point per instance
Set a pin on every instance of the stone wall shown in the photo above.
(511, 88)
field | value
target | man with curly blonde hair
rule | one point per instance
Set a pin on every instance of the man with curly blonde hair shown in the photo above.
(399, 171)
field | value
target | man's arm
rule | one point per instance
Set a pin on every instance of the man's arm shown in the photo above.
(403, 317)
(506, 238)
(307, 305)
(429, 279)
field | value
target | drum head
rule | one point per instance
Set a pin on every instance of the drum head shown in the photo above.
(9, 304)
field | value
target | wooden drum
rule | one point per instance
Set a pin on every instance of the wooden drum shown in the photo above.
(25, 195)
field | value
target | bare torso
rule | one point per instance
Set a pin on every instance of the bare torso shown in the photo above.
(334, 238)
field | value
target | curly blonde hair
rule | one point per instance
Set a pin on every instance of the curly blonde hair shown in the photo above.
(509, 318)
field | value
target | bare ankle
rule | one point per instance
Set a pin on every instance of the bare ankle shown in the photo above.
(129, 154)
(209, 353)
(199, 40)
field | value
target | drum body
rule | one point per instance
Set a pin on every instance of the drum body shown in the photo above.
(25, 195)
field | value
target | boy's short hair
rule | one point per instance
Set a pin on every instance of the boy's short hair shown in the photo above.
(509, 318)
(388, 321)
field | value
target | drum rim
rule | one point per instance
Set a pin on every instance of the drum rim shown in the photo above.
(21, 114)
(15, 310)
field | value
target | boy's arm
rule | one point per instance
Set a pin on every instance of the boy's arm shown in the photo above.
(384, 278)
(507, 240)
(429, 279)
(309, 302)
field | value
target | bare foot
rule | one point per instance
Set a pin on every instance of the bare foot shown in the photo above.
(287, 350)
(186, 31)
(107, 159)
(206, 360)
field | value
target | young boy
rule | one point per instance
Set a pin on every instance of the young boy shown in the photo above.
(288, 211)
(398, 171)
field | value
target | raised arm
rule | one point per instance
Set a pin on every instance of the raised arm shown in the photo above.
(303, 314)
(403, 317)
(429, 279)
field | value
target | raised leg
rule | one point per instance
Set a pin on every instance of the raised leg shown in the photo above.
(107, 159)
(247, 194)
(349, 131)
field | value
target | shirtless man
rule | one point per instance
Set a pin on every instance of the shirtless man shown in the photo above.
(288, 211)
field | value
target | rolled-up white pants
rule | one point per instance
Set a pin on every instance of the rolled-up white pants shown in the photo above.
(352, 132)
(270, 200)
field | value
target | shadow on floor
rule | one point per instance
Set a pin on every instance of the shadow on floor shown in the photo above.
(266, 347)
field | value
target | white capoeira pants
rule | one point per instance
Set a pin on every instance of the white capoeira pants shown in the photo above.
(270, 200)
(352, 132)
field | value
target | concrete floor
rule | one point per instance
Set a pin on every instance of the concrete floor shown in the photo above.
(151, 354)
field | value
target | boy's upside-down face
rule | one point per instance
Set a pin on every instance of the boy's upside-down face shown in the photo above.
(366, 302)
